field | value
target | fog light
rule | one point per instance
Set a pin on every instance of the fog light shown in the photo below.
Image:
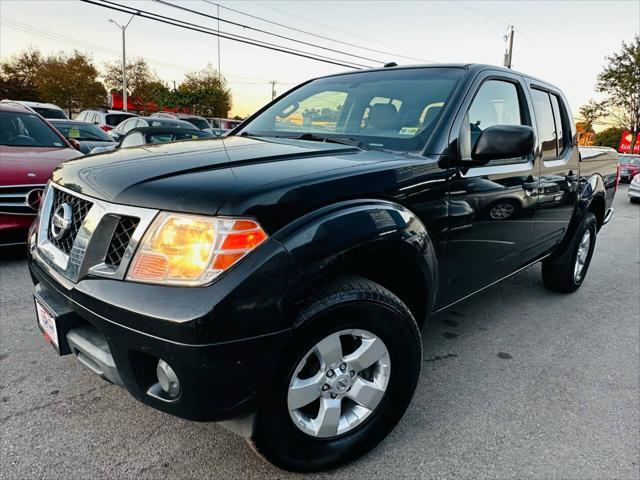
(168, 379)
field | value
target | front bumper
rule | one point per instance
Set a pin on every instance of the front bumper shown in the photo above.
(222, 341)
(634, 191)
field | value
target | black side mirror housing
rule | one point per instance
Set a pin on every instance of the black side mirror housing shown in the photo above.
(503, 141)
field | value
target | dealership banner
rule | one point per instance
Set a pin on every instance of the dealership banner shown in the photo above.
(625, 143)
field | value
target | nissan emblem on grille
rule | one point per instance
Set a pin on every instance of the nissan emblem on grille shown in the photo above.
(61, 220)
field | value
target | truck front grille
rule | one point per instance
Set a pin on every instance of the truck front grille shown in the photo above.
(120, 240)
(99, 240)
(80, 208)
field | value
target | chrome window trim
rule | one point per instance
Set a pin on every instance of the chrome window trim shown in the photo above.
(92, 241)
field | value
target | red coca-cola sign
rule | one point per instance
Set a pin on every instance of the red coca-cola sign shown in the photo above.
(625, 143)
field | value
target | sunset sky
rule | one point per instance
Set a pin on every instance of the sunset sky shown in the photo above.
(562, 42)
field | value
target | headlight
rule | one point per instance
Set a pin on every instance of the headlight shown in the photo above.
(180, 249)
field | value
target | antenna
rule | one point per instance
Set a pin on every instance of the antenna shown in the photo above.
(508, 54)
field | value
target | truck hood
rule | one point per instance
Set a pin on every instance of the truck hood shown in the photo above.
(198, 176)
(27, 165)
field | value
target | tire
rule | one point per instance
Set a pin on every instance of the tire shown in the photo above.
(634, 199)
(562, 274)
(358, 306)
(502, 210)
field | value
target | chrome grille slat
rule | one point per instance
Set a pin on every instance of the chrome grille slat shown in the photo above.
(14, 199)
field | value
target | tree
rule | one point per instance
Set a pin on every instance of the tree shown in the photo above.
(70, 82)
(205, 93)
(620, 80)
(139, 74)
(18, 76)
(591, 112)
(143, 83)
(608, 138)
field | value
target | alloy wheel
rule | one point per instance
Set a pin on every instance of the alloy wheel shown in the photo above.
(581, 256)
(501, 211)
(339, 383)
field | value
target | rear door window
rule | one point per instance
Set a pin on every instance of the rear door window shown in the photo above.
(560, 118)
(114, 119)
(545, 123)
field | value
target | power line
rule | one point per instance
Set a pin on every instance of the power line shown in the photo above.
(299, 30)
(496, 20)
(47, 34)
(341, 31)
(259, 30)
(229, 36)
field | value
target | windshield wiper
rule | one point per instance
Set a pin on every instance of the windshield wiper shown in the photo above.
(341, 140)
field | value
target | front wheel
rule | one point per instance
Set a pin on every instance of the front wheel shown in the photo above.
(344, 381)
(568, 274)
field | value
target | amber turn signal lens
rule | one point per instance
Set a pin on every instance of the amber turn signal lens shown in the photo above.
(149, 266)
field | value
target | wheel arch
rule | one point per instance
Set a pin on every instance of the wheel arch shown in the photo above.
(375, 239)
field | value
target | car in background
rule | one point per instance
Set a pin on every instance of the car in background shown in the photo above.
(141, 122)
(105, 119)
(224, 123)
(629, 167)
(30, 149)
(197, 121)
(634, 190)
(87, 135)
(152, 135)
(47, 110)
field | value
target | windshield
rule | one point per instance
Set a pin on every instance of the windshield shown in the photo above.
(82, 131)
(630, 160)
(393, 109)
(115, 119)
(26, 130)
(200, 123)
(50, 112)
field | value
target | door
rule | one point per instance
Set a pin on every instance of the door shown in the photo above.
(501, 194)
(559, 163)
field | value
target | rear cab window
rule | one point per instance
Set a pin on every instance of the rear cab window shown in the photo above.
(115, 119)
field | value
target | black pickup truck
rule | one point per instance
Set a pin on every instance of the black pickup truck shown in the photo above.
(276, 279)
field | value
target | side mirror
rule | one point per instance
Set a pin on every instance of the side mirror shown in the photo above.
(502, 141)
(75, 143)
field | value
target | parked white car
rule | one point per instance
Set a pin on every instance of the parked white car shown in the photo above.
(47, 110)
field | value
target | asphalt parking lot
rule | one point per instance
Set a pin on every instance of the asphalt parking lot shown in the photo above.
(517, 382)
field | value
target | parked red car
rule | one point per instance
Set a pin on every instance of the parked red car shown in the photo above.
(30, 149)
(629, 167)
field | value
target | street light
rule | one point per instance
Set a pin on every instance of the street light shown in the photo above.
(124, 60)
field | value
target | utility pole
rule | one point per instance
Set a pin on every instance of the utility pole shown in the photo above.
(273, 89)
(509, 53)
(124, 60)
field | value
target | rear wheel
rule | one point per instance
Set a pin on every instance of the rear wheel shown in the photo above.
(568, 274)
(344, 381)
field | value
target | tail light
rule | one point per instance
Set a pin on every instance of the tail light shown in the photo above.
(617, 177)
(106, 127)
